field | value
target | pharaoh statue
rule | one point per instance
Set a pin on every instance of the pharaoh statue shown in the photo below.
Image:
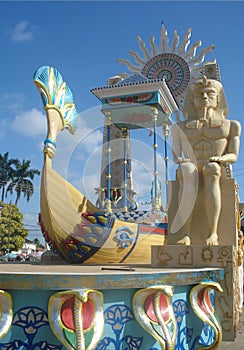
(204, 146)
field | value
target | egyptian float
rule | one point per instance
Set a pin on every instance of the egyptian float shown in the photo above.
(120, 277)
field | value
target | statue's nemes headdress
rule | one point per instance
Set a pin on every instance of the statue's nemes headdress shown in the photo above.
(200, 83)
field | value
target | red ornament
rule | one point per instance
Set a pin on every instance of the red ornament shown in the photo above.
(129, 99)
(67, 314)
(150, 310)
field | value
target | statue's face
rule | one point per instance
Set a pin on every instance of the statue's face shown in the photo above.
(205, 97)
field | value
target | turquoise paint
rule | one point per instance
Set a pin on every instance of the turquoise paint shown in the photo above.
(122, 328)
(29, 324)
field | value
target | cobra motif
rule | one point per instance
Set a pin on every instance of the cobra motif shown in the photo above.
(153, 310)
(203, 307)
(6, 313)
(76, 318)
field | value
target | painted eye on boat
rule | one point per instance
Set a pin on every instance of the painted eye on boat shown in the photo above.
(125, 237)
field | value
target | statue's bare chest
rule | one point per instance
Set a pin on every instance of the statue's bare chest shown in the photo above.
(201, 131)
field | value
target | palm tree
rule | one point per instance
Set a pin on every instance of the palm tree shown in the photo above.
(21, 180)
(6, 172)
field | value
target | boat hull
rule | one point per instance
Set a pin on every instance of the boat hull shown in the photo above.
(80, 233)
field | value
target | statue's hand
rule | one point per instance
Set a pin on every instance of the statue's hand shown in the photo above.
(181, 160)
(216, 159)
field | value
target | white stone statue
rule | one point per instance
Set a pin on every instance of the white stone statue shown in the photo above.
(203, 144)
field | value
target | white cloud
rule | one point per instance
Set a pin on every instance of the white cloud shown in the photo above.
(92, 140)
(30, 219)
(3, 128)
(72, 150)
(86, 184)
(76, 148)
(13, 102)
(30, 123)
(22, 32)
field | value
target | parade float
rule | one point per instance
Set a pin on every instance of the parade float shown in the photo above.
(121, 280)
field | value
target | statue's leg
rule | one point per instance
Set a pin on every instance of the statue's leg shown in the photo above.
(212, 199)
(187, 176)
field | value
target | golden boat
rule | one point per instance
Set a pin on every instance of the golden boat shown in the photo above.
(72, 226)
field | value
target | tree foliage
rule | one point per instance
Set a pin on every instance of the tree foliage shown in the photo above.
(37, 243)
(6, 172)
(12, 231)
(16, 176)
(21, 179)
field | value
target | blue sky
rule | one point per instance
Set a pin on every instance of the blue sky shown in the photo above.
(83, 39)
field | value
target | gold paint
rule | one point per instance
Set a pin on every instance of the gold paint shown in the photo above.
(80, 339)
(92, 219)
(6, 312)
(209, 317)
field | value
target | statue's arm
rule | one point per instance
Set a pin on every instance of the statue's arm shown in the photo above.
(231, 154)
(176, 144)
(234, 142)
